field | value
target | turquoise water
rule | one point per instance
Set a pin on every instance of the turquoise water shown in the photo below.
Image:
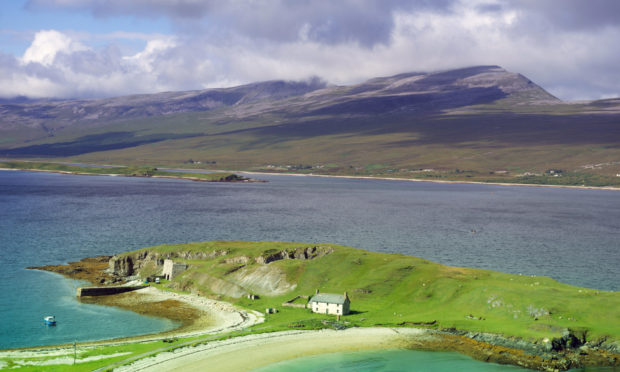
(396, 361)
(386, 361)
(51, 219)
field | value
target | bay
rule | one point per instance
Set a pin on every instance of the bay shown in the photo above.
(570, 235)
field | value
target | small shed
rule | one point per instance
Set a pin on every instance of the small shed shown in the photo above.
(330, 303)
(172, 269)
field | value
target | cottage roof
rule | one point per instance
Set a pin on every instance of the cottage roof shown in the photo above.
(330, 298)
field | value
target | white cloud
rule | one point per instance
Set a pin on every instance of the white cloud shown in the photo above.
(47, 44)
(573, 63)
(146, 59)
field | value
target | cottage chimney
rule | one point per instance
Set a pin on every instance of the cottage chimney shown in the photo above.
(345, 294)
(317, 291)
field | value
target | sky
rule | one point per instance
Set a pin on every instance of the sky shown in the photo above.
(103, 48)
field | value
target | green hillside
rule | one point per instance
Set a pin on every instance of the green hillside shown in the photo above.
(387, 289)
(474, 124)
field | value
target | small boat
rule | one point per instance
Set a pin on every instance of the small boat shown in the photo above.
(50, 320)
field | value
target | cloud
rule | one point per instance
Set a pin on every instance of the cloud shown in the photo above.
(575, 15)
(367, 22)
(559, 44)
(47, 44)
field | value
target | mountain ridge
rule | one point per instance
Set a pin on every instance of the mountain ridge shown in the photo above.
(483, 120)
(165, 103)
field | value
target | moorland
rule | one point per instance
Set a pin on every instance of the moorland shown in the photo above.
(479, 123)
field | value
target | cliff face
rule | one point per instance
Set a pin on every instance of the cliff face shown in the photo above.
(231, 276)
(152, 262)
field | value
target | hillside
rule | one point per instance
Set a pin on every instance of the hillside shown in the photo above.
(479, 123)
(385, 289)
(528, 321)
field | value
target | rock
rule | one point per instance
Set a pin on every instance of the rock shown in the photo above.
(307, 253)
(122, 266)
(571, 339)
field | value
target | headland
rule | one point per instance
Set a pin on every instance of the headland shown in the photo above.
(528, 321)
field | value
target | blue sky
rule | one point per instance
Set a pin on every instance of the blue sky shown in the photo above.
(99, 48)
(18, 25)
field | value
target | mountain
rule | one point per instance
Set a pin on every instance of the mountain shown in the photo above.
(480, 119)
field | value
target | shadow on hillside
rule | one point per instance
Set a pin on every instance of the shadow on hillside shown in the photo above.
(92, 143)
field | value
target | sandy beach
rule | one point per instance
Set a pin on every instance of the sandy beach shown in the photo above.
(254, 351)
(202, 316)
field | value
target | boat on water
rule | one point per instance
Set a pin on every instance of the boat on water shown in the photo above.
(50, 320)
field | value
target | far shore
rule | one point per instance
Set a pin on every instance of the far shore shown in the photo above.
(189, 178)
(430, 180)
(612, 188)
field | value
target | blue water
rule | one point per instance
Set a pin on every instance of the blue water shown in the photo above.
(570, 235)
(386, 361)
(396, 361)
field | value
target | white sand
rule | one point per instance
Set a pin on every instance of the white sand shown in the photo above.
(254, 351)
(223, 317)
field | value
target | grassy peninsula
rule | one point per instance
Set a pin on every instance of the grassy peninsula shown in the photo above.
(130, 171)
(531, 321)
(388, 289)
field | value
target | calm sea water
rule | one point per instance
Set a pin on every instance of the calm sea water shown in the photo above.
(386, 361)
(570, 235)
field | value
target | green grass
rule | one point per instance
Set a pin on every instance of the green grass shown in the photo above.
(143, 171)
(507, 134)
(390, 290)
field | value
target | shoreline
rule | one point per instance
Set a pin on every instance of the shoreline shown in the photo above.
(189, 178)
(204, 316)
(208, 317)
(610, 188)
(249, 352)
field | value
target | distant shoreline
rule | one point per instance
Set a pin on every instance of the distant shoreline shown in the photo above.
(189, 178)
(434, 181)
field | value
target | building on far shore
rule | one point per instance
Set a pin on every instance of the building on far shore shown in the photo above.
(172, 269)
(330, 303)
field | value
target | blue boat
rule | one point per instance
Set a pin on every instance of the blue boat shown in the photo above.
(50, 320)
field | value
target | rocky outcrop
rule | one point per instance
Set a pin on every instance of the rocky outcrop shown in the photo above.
(571, 339)
(129, 265)
(121, 266)
(571, 350)
(90, 269)
(307, 253)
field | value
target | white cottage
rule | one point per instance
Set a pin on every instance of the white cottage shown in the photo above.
(330, 303)
(172, 269)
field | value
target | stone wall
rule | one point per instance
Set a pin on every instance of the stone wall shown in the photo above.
(172, 269)
(104, 291)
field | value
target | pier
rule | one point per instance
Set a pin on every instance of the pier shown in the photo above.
(105, 291)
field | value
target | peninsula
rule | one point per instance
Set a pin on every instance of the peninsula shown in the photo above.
(399, 301)
(143, 171)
